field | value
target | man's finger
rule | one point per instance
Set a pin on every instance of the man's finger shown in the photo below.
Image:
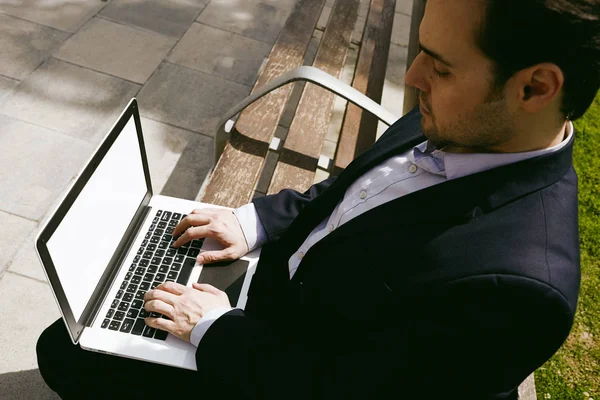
(167, 296)
(162, 324)
(171, 287)
(160, 307)
(208, 257)
(190, 220)
(205, 287)
(195, 232)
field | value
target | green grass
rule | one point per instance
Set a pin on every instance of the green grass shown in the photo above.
(574, 371)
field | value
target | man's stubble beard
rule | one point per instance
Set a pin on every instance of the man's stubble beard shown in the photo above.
(488, 124)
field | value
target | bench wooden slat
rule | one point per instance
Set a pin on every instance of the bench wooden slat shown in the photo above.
(359, 129)
(235, 175)
(298, 160)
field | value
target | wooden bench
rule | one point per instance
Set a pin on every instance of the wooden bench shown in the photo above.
(249, 151)
(257, 152)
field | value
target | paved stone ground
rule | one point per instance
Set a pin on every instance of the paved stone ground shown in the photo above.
(67, 69)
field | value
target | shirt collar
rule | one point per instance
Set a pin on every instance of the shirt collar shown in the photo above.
(457, 165)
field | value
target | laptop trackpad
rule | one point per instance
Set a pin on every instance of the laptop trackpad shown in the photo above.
(227, 276)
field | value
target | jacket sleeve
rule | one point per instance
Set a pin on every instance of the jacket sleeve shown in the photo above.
(276, 212)
(471, 340)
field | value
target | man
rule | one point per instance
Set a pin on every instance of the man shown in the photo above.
(435, 266)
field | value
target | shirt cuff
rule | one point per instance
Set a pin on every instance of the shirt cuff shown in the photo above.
(206, 322)
(253, 229)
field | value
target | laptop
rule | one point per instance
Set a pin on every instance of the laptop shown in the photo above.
(109, 241)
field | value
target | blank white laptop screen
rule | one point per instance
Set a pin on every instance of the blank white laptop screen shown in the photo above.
(85, 240)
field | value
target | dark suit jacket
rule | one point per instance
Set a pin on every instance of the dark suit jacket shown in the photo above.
(457, 291)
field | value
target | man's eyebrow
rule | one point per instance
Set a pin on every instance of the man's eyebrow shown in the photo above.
(435, 55)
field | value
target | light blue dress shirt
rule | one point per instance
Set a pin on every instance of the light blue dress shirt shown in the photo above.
(419, 168)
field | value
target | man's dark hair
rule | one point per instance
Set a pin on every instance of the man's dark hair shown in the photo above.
(517, 34)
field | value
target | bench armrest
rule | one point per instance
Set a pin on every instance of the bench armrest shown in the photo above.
(305, 73)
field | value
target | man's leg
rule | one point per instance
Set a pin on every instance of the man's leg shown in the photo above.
(79, 374)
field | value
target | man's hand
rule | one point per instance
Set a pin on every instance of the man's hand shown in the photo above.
(214, 223)
(184, 306)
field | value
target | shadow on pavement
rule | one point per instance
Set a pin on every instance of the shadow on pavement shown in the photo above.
(25, 385)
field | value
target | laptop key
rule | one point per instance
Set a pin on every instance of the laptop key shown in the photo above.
(136, 259)
(152, 269)
(133, 267)
(132, 288)
(137, 304)
(149, 277)
(144, 242)
(138, 271)
(123, 306)
(105, 323)
(114, 304)
(169, 230)
(132, 313)
(128, 276)
(137, 278)
(128, 297)
(152, 227)
(123, 285)
(159, 278)
(148, 235)
(144, 262)
(155, 220)
(119, 294)
(182, 251)
(162, 225)
(148, 331)
(163, 245)
(145, 285)
(127, 325)
(168, 237)
(186, 270)
(140, 295)
(147, 254)
(159, 232)
(193, 252)
(160, 253)
(154, 239)
(179, 258)
(167, 260)
(144, 313)
(197, 243)
(138, 327)
(161, 335)
(119, 315)
(176, 216)
(166, 216)
(172, 275)
(164, 269)
(114, 325)
(156, 260)
(140, 251)
(110, 313)
(155, 284)
(171, 252)
(158, 213)
(151, 247)
(176, 267)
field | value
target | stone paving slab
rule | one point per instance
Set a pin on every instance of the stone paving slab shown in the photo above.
(36, 164)
(26, 261)
(14, 231)
(28, 307)
(25, 45)
(25, 385)
(257, 19)
(189, 99)
(116, 49)
(70, 99)
(67, 15)
(191, 169)
(165, 145)
(171, 18)
(217, 52)
(6, 86)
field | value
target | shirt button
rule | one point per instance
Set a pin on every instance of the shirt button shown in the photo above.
(331, 228)
(363, 194)
(300, 255)
(412, 169)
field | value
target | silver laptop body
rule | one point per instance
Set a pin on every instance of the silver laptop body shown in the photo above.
(89, 250)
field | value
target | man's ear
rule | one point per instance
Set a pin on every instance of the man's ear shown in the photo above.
(539, 86)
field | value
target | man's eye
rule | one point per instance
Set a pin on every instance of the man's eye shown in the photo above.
(440, 73)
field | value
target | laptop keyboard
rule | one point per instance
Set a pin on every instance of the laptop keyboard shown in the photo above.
(156, 261)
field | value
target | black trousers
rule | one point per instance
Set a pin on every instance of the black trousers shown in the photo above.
(74, 373)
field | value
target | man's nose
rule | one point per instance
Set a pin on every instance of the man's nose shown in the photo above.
(416, 76)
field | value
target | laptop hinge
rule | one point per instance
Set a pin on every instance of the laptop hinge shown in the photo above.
(99, 296)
